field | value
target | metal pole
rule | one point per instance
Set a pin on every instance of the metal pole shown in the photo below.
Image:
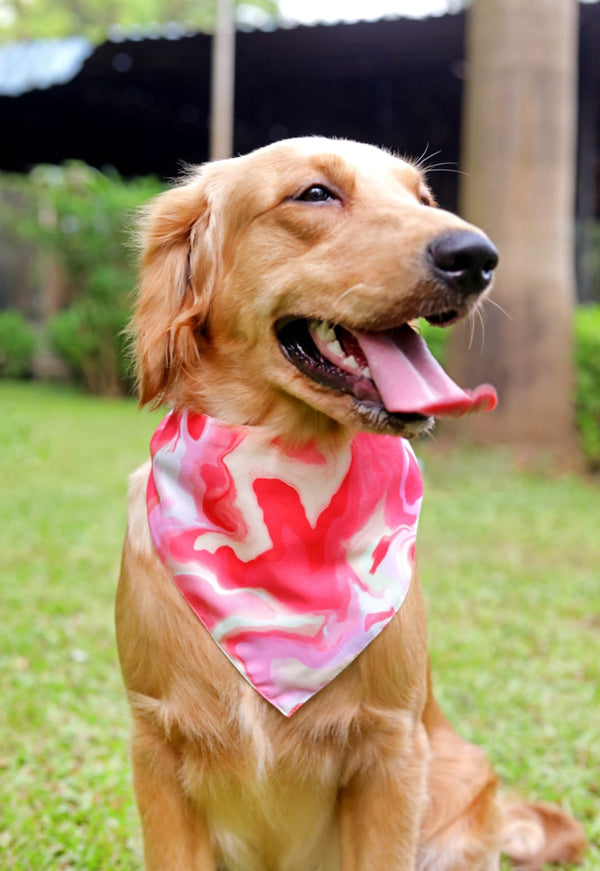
(222, 82)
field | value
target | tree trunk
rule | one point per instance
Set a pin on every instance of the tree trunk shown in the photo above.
(519, 158)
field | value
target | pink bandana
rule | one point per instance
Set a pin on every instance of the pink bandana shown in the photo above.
(293, 560)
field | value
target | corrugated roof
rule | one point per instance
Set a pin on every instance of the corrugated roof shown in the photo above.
(41, 63)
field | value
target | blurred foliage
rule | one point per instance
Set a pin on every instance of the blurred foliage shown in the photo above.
(39, 19)
(587, 395)
(80, 217)
(436, 338)
(90, 337)
(17, 343)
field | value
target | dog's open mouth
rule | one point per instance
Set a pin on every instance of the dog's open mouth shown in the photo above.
(391, 369)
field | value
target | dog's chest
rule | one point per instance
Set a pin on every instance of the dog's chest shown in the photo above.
(267, 807)
(263, 825)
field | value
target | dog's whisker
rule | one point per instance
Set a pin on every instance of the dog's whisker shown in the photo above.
(422, 162)
(431, 166)
(471, 330)
(354, 289)
(481, 320)
(418, 161)
(423, 157)
(441, 168)
(498, 306)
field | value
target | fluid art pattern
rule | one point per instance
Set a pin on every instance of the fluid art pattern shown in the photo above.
(294, 560)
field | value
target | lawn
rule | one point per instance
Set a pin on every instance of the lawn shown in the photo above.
(510, 564)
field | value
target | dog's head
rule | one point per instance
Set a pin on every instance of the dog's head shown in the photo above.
(277, 288)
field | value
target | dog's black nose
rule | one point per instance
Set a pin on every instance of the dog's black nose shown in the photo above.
(464, 260)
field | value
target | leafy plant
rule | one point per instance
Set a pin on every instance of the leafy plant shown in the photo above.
(17, 342)
(436, 338)
(587, 392)
(80, 216)
(88, 336)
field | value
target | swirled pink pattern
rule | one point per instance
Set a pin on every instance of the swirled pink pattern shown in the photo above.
(293, 560)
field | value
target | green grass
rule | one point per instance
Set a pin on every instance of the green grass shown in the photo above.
(509, 562)
(510, 566)
(65, 798)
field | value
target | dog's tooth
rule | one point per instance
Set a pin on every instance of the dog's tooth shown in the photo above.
(323, 330)
(336, 348)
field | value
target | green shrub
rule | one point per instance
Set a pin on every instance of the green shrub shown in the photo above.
(17, 342)
(81, 216)
(587, 394)
(436, 338)
(89, 337)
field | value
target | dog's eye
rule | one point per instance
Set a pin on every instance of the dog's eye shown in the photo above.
(426, 199)
(316, 193)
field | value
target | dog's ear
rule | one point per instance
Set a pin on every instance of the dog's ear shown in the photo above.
(177, 268)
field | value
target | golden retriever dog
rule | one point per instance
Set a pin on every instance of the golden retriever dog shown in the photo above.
(276, 295)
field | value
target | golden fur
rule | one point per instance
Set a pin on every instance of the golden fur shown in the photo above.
(367, 775)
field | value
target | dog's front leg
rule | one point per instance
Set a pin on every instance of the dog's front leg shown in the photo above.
(175, 833)
(380, 810)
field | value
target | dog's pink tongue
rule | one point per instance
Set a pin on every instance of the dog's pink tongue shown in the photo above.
(410, 380)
